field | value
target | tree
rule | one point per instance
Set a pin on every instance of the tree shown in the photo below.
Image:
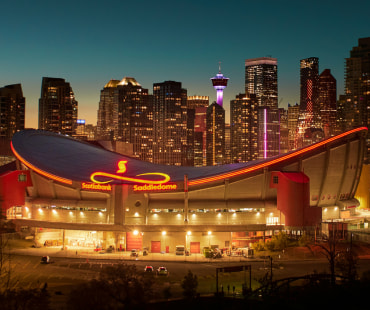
(30, 299)
(347, 264)
(330, 251)
(189, 285)
(119, 286)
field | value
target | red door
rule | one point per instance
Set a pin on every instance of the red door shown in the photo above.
(133, 241)
(194, 247)
(156, 247)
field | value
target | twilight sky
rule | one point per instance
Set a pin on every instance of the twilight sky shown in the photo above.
(90, 42)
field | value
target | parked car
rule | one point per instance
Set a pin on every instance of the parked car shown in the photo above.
(148, 269)
(45, 260)
(162, 271)
(134, 253)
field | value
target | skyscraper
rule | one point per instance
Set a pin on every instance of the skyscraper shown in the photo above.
(200, 105)
(293, 115)
(12, 110)
(243, 128)
(328, 102)
(261, 80)
(357, 87)
(215, 135)
(107, 121)
(126, 114)
(309, 91)
(170, 123)
(57, 106)
(357, 84)
(309, 125)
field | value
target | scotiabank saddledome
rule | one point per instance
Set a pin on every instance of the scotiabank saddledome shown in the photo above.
(78, 194)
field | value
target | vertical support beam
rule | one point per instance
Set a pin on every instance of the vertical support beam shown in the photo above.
(324, 175)
(186, 199)
(360, 161)
(344, 174)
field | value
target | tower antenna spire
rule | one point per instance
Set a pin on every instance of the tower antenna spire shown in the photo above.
(219, 83)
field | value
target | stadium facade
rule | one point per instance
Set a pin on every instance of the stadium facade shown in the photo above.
(72, 193)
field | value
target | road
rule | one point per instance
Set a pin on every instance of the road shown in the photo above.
(64, 272)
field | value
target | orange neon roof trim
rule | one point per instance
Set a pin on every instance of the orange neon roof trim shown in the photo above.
(273, 161)
(46, 174)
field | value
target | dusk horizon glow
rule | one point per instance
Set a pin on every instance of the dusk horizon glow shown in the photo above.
(88, 45)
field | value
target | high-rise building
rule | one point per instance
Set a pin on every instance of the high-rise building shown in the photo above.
(357, 87)
(309, 87)
(57, 106)
(268, 131)
(12, 110)
(126, 115)
(284, 131)
(309, 124)
(243, 128)
(328, 102)
(198, 102)
(215, 135)
(170, 124)
(261, 80)
(200, 105)
(107, 121)
(293, 115)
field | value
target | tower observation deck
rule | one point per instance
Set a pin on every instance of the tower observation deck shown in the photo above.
(219, 83)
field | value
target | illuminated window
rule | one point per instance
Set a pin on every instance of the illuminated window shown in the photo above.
(22, 177)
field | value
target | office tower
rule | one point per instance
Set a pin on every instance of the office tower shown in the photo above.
(328, 102)
(309, 86)
(357, 84)
(227, 158)
(219, 83)
(198, 101)
(107, 120)
(215, 135)
(309, 125)
(126, 115)
(170, 123)
(243, 128)
(12, 110)
(284, 131)
(85, 131)
(293, 115)
(357, 87)
(200, 105)
(261, 80)
(57, 106)
(268, 131)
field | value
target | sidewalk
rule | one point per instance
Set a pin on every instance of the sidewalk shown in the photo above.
(290, 254)
(87, 254)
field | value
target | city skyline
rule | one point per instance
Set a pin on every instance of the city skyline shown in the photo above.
(88, 46)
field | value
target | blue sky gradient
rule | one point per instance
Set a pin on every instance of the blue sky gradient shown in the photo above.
(90, 42)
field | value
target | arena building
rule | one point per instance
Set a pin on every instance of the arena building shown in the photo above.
(72, 193)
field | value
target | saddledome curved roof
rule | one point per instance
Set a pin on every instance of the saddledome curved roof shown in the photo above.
(68, 160)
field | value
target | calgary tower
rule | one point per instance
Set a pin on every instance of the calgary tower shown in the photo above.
(219, 83)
